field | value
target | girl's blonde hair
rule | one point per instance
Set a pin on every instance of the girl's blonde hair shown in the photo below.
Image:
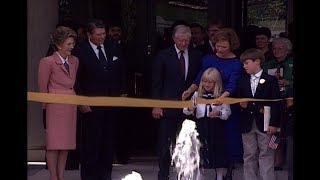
(212, 75)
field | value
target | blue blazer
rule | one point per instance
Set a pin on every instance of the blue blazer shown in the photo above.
(267, 90)
(96, 78)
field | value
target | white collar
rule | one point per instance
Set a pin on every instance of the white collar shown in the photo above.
(63, 60)
(178, 50)
(258, 74)
(95, 47)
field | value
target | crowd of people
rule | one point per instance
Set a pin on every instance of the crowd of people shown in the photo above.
(194, 62)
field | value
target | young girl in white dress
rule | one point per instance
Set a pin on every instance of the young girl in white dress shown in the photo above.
(210, 120)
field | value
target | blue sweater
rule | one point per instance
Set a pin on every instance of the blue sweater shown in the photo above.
(230, 70)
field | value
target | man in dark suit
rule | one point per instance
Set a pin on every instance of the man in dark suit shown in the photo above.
(101, 73)
(258, 156)
(173, 71)
(207, 48)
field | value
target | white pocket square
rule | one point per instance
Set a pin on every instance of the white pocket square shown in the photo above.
(114, 58)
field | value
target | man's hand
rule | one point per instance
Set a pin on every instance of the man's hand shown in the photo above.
(189, 91)
(85, 109)
(185, 95)
(157, 113)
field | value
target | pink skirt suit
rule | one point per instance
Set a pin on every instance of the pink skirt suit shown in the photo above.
(61, 119)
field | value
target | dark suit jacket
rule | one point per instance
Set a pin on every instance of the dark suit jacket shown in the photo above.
(96, 78)
(205, 49)
(267, 90)
(167, 82)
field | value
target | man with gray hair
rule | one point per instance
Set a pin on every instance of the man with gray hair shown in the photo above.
(173, 70)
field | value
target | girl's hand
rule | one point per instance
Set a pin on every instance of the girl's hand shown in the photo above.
(214, 114)
(190, 108)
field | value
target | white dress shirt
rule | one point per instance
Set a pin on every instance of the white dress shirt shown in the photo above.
(254, 81)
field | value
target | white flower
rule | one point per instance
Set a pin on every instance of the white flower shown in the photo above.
(262, 81)
(133, 176)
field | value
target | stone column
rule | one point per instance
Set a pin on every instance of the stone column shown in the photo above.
(42, 20)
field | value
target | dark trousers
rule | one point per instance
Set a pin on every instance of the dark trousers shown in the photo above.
(124, 135)
(290, 157)
(168, 130)
(98, 141)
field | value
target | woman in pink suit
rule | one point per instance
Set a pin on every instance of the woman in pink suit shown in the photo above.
(57, 74)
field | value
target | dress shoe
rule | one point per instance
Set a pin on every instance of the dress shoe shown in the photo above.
(167, 178)
(164, 178)
(224, 178)
(228, 176)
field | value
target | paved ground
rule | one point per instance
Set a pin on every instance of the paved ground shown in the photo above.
(146, 166)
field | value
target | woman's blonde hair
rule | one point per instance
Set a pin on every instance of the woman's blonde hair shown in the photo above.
(212, 75)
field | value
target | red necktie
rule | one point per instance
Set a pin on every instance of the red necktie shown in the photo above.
(182, 64)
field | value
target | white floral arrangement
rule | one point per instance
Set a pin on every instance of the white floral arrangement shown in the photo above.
(133, 176)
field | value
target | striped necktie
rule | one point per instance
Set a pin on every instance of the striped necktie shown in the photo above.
(66, 65)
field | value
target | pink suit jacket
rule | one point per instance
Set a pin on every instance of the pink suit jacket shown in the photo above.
(61, 119)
